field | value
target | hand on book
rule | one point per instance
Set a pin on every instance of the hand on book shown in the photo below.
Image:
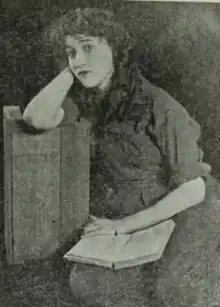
(102, 226)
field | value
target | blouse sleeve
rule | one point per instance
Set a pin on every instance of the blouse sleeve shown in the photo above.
(178, 136)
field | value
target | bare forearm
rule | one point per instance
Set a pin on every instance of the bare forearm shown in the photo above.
(44, 111)
(184, 197)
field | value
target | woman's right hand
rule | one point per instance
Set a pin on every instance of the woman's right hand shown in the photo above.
(102, 226)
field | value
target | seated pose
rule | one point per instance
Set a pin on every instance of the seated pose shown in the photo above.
(145, 159)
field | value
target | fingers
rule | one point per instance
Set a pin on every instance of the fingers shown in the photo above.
(96, 227)
(93, 218)
(99, 232)
(99, 226)
(92, 228)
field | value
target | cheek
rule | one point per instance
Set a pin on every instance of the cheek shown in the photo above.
(101, 62)
(105, 56)
(71, 64)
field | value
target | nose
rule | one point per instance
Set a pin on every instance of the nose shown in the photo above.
(78, 61)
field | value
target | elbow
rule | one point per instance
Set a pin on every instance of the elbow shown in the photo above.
(42, 122)
(38, 125)
(31, 121)
(34, 120)
(26, 125)
(195, 189)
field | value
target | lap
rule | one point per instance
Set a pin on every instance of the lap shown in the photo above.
(187, 275)
(98, 286)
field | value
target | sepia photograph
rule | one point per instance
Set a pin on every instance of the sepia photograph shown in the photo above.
(110, 150)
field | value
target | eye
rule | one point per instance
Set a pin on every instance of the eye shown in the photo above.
(71, 53)
(87, 48)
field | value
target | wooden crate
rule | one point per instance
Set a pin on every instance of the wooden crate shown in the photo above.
(46, 187)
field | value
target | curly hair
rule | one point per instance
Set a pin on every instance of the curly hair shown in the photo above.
(100, 23)
(90, 22)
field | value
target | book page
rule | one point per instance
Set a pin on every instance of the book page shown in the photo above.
(103, 247)
(148, 243)
(151, 241)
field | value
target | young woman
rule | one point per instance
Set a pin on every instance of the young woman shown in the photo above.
(146, 162)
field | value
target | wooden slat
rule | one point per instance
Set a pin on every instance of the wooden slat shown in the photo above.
(8, 202)
(1, 173)
(36, 202)
(36, 145)
(46, 187)
(33, 190)
(75, 167)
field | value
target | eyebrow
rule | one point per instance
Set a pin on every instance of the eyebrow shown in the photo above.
(81, 40)
(82, 37)
(85, 39)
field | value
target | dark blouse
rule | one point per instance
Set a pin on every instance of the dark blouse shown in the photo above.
(137, 160)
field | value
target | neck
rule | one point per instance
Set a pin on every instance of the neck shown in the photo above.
(105, 84)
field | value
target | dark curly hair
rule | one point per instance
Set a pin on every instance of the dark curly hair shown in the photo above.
(90, 22)
(97, 23)
(101, 23)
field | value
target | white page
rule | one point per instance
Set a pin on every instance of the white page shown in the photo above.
(100, 247)
(147, 242)
(124, 247)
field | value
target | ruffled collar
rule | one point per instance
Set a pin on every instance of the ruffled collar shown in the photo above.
(124, 100)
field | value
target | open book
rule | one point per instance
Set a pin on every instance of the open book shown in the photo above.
(122, 251)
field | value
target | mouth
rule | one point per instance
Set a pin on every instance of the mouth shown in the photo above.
(84, 73)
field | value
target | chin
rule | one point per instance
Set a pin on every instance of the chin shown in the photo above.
(89, 83)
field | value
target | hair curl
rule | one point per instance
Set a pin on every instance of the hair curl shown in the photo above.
(90, 22)
(98, 23)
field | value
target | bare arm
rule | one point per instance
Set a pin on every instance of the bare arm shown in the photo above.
(45, 111)
(185, 196)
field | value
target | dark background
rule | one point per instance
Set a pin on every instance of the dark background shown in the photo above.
(180, 44)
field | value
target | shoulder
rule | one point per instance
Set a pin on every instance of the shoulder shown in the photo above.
(163, 103)
(167, 109)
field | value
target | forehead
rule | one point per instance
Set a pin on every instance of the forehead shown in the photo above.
(74, 41)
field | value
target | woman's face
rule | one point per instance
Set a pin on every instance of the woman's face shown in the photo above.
(90, 59)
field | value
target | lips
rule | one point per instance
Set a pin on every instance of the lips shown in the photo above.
(83, 73)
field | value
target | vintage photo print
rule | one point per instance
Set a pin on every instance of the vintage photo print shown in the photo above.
(110, 150)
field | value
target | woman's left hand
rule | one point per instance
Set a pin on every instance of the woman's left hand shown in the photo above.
(102, 226)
